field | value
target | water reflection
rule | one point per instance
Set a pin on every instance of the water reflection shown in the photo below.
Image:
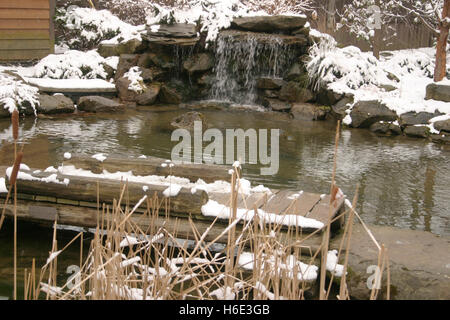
(403, 182)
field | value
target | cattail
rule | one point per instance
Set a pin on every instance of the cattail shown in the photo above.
(15, 171)
(15, 124)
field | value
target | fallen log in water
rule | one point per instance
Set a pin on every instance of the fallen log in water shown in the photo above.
(152, 166)
(85, 189)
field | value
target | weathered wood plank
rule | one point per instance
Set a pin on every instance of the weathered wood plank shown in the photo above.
(24, 34)
(24, 13)
(24, 24)
(85, 189)
(321, 211)
(279, 202)
(36, 44)
(304, 204)
(87, 217)
(16, 55)
(24, 4)
(152, 166)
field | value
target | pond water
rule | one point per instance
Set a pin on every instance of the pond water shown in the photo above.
(404, 182)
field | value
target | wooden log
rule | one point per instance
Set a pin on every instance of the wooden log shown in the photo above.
(85, 189)
(87, 217)
(152, 166)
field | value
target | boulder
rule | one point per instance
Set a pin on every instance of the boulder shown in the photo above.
(126, 61)
(162, 60)
(175, 30)
(55, 104)
(443, 125)
(438, 91)
(3, 112)
(269, 23)
(419, 263)
(99, 104)
(366, 113)
(169, 95)
(298, 73)
(122, 89)
(307, 111)
(200, 62)
(108, 50)
(293, 92)
(270, 83)
(328, 97)
(338, 109)
(131, 46)
(386, 128)
(265, 38)
(186, 120)
(418, 131)
(206, 80)
(276, 104)
(440, 138)
(149, 95)
(413, 118)
(270, 94)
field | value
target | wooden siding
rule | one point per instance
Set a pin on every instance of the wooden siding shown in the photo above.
(26, 29)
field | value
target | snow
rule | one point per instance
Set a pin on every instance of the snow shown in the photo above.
(52, 257)
(15, 93)
(332, 264)
(67, 155)
(3, 188)
(142, 157)
(73, 64)
(130, 262)
(136, 82)
(99, 156)
(106, 26)
(172, 191)
(145, 188)
(214, 209)
(72, 84)
(51, 170)
(290, 264)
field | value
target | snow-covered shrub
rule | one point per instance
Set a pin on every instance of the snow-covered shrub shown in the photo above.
(137, 83)
(85, 28)
(74, 64)
(15, 94)
(346, 68)
(409, 62)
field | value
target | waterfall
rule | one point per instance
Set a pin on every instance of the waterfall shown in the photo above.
(242, 58)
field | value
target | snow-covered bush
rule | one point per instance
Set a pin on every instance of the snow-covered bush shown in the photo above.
(347, 67)
(137, 83)
(14, 94)
(74, 65)
(409, 62)
(85, 28)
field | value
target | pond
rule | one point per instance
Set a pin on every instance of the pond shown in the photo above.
(404, 182)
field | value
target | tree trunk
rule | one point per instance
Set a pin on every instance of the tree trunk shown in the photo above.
(440, 70)
(377, 38)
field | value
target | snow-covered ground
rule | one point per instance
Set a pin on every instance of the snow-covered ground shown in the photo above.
(359, 74)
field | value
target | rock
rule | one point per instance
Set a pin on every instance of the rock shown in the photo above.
(3, 112)
(293, 92)
(419, 263)
(328, 97)
(200, 62)
(269, 23)
(126, 61)
(338, 110)
(413, 118)
(110, 71)
(276, 104)
(387, 87)
(131, 46)
(437, 91)
(173, 42)
(440, 138)
(55, 104)
(417, 131)
(266, 38)
(149, 95)
(298, 73)
(206, 80)
(162, 60)
(99, 104)
(307, 111)
(366, 113)
(186, 120)
(108, 50)
(303, 31)
(169, 95)
(270, 83)
(385, 128)
(271, 94)
(175, 30)
(122, 89)
(443, 125)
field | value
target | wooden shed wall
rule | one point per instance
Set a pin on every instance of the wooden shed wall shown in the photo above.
(26, 29)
